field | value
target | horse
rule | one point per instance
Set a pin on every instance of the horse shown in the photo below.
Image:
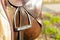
(25, 8)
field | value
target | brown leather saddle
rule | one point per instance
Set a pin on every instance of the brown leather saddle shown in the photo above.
(24, 17)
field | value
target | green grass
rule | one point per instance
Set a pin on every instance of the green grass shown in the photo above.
(57, 37)
(48, 24)
(50, 30)
(55, 19)
(47, 15)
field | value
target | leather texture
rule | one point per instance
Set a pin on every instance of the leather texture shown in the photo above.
(29, 34)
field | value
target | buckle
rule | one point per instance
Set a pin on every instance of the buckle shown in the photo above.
(22, 27)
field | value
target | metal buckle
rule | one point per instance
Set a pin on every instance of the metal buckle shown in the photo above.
(17, 9)
(19, 29)
(22, 27)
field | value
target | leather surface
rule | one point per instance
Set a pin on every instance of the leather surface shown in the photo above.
(29, 34)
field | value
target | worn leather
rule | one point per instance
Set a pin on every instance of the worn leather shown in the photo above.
(29, 34)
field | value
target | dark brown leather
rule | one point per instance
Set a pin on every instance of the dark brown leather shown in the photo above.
(29, 34)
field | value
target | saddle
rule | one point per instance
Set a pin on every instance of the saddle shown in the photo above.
(24, 18)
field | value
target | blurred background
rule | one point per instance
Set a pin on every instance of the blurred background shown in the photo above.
(51, 1)
(51, 20)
